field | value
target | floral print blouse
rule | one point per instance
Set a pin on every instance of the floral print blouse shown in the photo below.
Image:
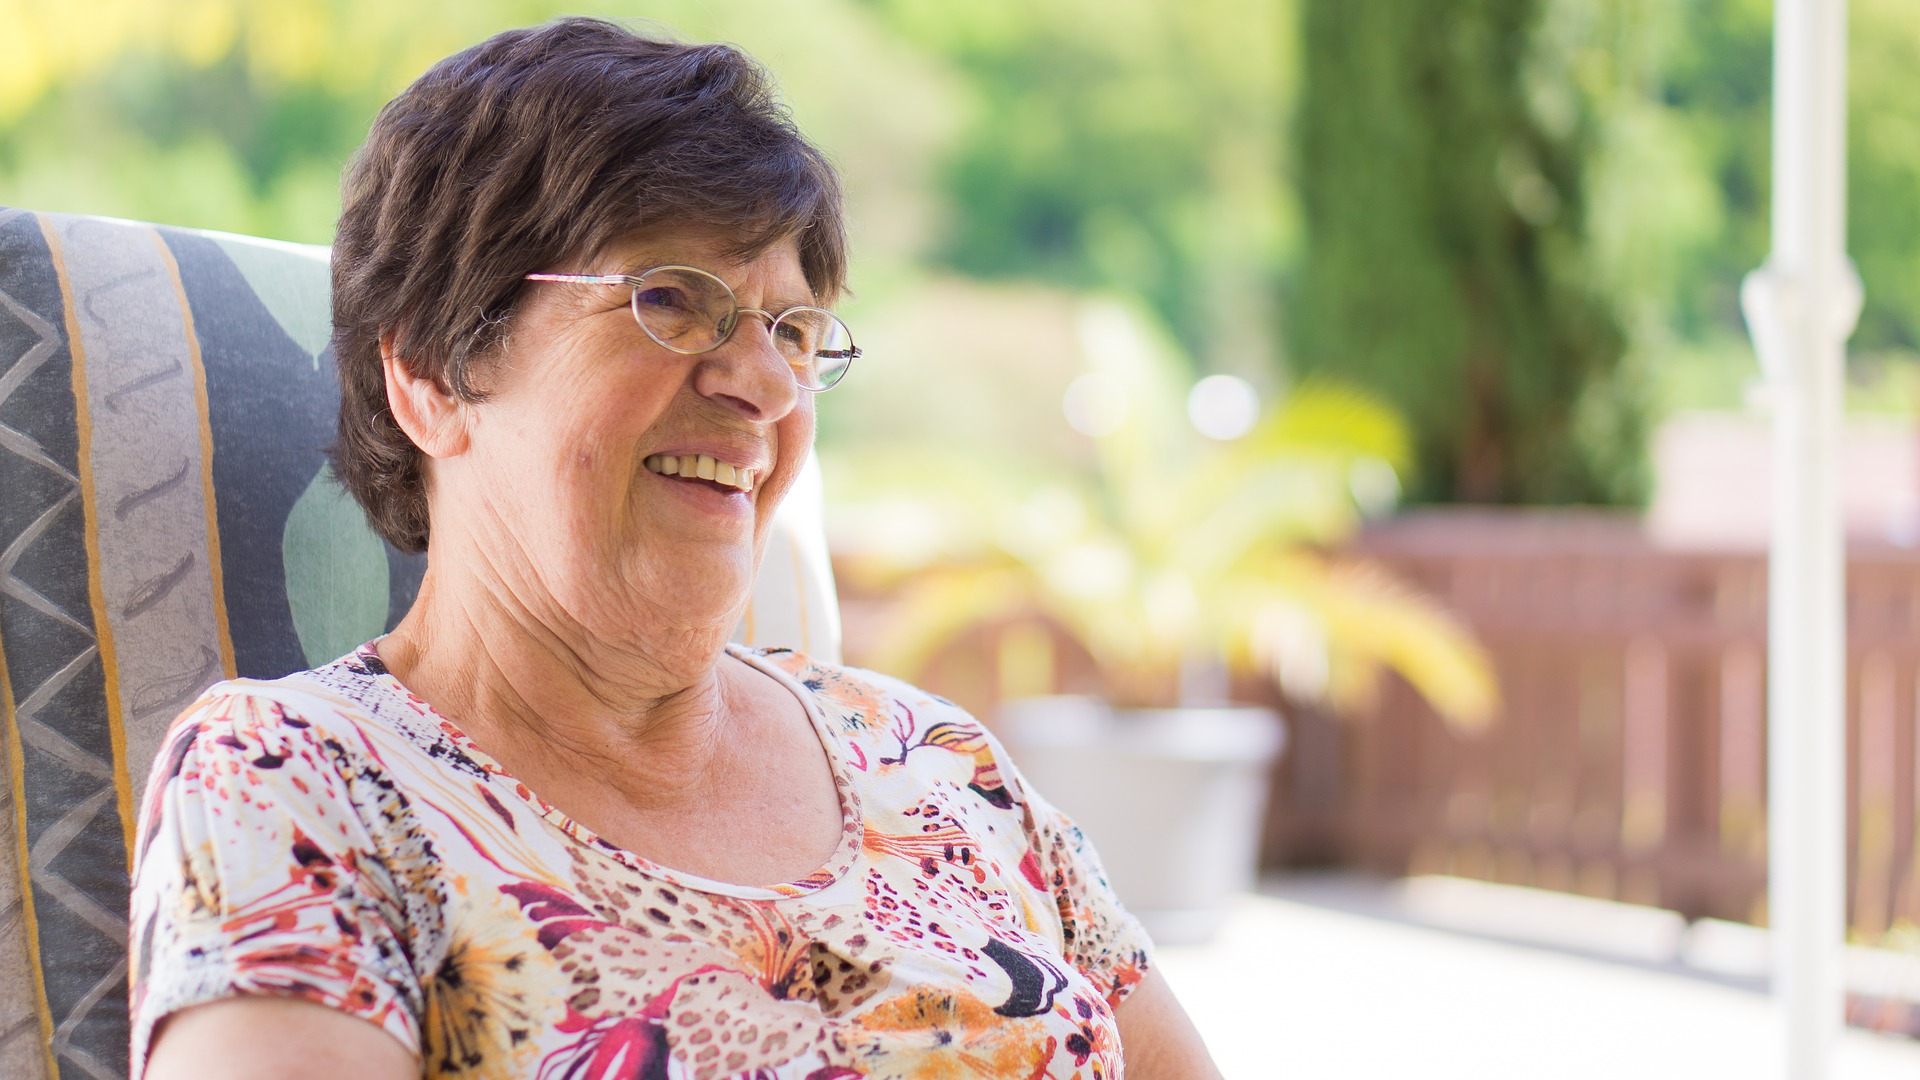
(329, 837)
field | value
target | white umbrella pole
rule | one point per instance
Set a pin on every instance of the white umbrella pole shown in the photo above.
(1801, 306)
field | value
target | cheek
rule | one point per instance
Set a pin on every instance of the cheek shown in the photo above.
(594, 473)
(557, 465)
(796, 442)
(796, 432)
(588, 436)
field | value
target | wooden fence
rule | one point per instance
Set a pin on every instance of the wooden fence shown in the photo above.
(1629, 760)
(1630, 757)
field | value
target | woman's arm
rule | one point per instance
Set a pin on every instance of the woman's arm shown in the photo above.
(250, 889)
(1157, 1039)
(243, 1038)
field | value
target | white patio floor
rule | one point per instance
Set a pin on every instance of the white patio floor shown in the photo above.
(1339, 976)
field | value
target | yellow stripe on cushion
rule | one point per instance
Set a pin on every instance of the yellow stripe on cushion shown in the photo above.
(96, 589)
(206, 458)
(16, 779)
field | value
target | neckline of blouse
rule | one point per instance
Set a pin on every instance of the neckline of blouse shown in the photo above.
(852, 824)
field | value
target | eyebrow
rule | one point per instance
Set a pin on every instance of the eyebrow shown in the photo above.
(805, 301)
(633, 268)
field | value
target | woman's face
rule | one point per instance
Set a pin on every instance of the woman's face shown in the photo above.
(562, 481)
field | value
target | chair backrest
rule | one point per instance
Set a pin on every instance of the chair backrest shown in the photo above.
(167, 519)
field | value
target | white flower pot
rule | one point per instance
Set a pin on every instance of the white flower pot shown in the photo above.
(1172, 798)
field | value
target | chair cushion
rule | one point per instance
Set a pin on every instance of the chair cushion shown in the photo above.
(167, 519)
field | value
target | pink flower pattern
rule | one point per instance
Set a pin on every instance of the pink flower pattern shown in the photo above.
(329, 837)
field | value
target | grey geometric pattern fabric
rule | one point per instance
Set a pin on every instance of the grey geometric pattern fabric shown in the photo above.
(60, 756)
(111, 613)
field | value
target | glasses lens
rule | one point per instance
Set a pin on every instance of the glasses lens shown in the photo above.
(816, 343)
(687, 310)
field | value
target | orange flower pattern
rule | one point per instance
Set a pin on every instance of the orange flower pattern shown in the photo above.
(329, 837)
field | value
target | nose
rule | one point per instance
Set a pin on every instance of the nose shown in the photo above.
(747, 373)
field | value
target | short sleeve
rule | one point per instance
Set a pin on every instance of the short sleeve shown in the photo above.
(1099, 936)
(1059, 872)
(258, 876)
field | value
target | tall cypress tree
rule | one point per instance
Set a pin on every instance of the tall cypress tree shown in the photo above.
(1441, 181)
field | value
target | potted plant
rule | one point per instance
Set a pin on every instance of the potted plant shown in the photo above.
(1177, 560)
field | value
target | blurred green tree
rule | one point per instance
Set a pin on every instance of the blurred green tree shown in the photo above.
(1447, 263)
(1721, 82)
(1531, 216)
(1883, 188)
(1717, 83)
(229, 114)
(213, 113)
(1129, 145)
(1680, 183)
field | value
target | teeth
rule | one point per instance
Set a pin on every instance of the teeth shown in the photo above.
(702, 467)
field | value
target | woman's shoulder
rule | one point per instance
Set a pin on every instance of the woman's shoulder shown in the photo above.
(342, 717)
(279, 855)
(328, 702)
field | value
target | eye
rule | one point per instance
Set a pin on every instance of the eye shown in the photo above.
(663, 298)
(794, 340)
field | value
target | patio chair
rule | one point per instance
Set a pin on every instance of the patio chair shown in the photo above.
(167, 519)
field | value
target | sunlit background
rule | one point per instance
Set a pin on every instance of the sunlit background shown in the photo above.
(1380, 363)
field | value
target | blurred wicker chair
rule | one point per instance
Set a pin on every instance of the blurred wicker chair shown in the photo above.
(167, 519)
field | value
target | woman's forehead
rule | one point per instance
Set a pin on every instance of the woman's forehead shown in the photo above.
(714, 251)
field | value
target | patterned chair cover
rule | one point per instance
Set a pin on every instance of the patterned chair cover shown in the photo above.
(167, 519)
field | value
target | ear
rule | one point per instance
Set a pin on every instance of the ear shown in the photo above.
(431, 414)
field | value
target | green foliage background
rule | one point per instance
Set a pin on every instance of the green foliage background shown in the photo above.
(1447, 262)
(1523, 221)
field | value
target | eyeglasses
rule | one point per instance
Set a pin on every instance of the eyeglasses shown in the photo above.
(691, 311)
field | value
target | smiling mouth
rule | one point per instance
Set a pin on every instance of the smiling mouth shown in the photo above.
(701, 467)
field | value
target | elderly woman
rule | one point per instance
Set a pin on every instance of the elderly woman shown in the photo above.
(554, 825)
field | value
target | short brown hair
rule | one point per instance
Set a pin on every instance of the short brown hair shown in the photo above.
(535, 148)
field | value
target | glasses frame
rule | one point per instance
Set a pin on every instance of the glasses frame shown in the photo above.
(634, 282)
